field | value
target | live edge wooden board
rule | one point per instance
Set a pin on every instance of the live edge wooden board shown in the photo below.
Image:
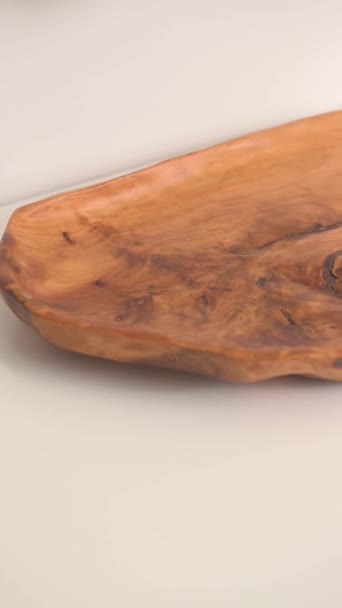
(226, 262)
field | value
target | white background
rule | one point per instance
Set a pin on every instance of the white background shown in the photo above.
(128, 487)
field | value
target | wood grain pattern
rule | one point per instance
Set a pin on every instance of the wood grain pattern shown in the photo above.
(226, 262)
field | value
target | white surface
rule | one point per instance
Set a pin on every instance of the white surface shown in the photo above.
(130, 487)
(94, 87)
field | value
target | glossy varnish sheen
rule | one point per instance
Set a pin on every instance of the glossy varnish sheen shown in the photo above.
(227, 261)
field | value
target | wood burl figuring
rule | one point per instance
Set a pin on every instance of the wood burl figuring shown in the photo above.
(226, 261)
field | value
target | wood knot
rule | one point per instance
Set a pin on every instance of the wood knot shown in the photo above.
(332, 272)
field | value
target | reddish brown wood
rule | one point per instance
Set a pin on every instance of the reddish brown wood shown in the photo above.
(227, 261)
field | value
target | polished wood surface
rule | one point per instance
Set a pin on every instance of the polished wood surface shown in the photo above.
(227, 261)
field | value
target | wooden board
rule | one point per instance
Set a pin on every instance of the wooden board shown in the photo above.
(226, 262)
